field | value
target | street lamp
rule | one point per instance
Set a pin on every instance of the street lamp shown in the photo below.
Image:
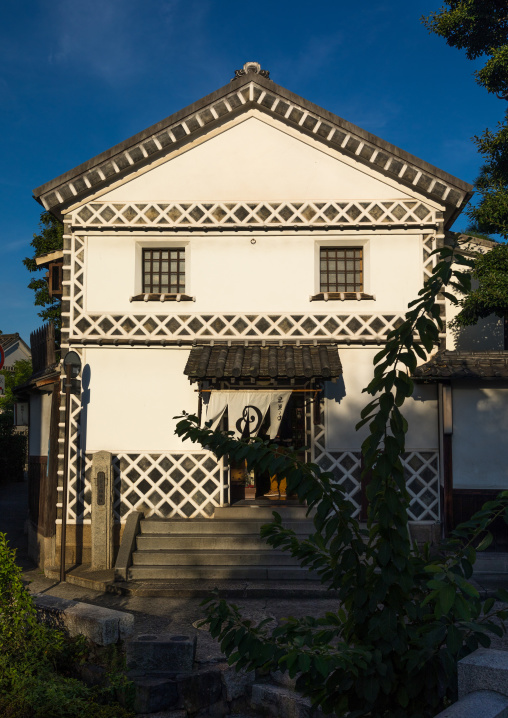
(72, 365)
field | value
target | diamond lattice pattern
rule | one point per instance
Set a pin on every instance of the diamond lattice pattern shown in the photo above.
(246, 326)
(228, 214)
(187, 484)
(420, 469)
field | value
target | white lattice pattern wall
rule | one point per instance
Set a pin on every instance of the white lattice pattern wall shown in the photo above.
(256, 214)
(350, 326)
(186, 484)
(421, 470)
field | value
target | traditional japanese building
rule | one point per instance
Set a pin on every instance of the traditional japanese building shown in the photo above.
(14, 349)
(244, 258)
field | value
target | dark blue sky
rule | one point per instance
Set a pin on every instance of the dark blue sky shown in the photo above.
(78, 76)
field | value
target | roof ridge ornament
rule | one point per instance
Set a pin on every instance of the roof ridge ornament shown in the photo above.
(251, 67)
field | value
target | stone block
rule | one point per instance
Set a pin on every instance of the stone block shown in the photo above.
(199, 689)
(240, 706)
(165, 652)
(481, 704)
(216, 710)
(101, 509)
(237, 683)
(127, 545)
(283, 679)
(484, 670)
(154, 694)
(102, 626)
(280, 702)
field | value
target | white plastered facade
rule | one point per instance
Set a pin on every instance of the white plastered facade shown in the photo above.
(257, 278)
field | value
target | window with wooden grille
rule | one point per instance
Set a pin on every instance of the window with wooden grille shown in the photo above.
(341, 269)
(164, 271)
(55, 276)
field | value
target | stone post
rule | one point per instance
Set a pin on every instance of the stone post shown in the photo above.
(102, 510)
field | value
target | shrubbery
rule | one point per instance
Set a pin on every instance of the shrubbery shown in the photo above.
(38, 663)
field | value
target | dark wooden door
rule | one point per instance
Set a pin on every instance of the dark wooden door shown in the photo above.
(467, 501)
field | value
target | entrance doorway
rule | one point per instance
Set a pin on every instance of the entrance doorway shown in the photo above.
(245, 485)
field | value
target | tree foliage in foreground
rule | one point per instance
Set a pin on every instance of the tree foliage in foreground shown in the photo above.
(480, 27)
(405, 615)
(49, 239)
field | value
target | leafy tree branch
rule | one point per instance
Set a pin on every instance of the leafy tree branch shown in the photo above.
(49, 239)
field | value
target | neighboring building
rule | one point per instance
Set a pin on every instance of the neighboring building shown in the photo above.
(250, 253)
(471, 375)
(41, 395)
(15, 349)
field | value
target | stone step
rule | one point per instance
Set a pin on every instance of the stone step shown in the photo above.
(261, 511)
(204, 557)
(154, 542)
(219, 572)
(226, 547)
(280, 702)
(217, 526)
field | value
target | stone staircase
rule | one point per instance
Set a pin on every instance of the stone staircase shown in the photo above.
(226, 547)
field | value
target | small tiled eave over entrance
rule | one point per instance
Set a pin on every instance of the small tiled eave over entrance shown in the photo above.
(253, 361)
(250, 89)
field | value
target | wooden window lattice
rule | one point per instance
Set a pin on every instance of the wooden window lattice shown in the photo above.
(164, 271)
(341, 269)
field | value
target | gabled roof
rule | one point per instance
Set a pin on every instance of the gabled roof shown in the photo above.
(251, 88)
(9, 340)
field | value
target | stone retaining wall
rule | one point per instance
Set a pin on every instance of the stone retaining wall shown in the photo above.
(483, 686)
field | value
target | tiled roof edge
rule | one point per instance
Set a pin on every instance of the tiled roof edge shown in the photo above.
(460, 195)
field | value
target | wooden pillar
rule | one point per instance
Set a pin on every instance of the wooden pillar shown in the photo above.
(365, 481)
(52, 483)
(446, 431)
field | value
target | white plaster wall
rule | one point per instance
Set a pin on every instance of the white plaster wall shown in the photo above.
(229, 273)
(256, 159)
(344, 401)
(487, 334)
(480, 428)
(40, 416)
(15, 353)
(134, 393)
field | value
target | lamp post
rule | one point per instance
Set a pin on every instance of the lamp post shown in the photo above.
(72, 365)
